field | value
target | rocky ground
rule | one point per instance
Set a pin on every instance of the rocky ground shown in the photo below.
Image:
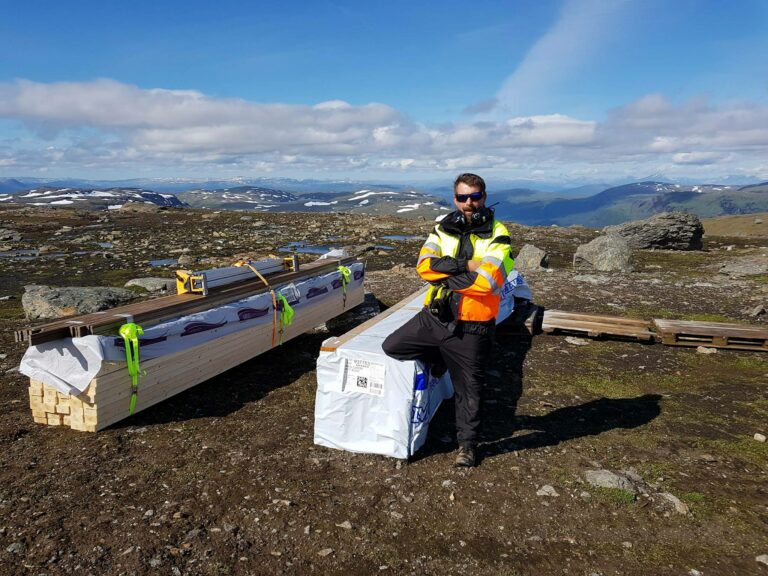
(599, 457)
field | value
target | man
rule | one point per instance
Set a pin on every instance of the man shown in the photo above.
(466, 260)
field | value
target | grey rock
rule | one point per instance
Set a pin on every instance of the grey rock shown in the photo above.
(680, 507)
(547, 490)
(325, 552)
(669, 230)
(186, 260)
(346, 525)
(745, 267)
(153, 284)
(604, 254)
(758, 310)
(608, 479)
(52, 302)
(16, 548)
(759, 437)
(531, 259)
(9, 235)
(705, 350)
(762, 559)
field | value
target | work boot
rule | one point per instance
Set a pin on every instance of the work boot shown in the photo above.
(466, 456)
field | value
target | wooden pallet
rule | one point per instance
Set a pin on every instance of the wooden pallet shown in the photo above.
(711, 334)
(106, 399)
(596, 326)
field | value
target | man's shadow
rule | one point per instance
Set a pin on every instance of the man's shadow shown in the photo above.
(504, 387)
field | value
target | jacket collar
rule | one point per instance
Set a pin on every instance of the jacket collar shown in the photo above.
(454, 224)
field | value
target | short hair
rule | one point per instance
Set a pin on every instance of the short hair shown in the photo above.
(469, 179)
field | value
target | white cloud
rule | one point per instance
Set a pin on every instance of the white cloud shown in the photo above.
(93, 125)
(700, 158)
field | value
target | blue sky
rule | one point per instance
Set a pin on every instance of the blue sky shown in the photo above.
(550, 90)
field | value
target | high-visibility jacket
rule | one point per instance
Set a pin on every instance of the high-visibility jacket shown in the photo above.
(443, 263)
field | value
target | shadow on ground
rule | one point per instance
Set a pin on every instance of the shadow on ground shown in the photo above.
(501, 421)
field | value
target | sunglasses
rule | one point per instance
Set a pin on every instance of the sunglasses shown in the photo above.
(464, 197)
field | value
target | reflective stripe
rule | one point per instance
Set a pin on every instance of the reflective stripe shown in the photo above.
(494, 286)
(432, 246)
(492, 259)
(425, 256)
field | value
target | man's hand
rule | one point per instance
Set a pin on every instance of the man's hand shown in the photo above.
(473, 265)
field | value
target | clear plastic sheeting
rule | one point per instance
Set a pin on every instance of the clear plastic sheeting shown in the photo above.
(71, 363)
(371, 403)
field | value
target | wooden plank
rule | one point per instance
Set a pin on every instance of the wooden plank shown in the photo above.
(597, 318)
(594, 326)
(192, 366)
(334, 343)
(712, 334)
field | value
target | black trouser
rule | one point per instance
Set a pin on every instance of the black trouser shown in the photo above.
(424, 338)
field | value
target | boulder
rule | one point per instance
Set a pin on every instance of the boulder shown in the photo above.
(669, 230)
(749, 266)
(42, 302)
(604, 254)
(9, 235)
(531, 259)
(608, 479)
(153, 284)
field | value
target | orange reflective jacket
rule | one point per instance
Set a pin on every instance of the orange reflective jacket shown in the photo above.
(443, 262)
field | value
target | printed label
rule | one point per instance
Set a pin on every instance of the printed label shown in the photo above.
(364, 376)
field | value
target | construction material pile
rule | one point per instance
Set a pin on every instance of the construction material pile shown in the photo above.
(86, 383)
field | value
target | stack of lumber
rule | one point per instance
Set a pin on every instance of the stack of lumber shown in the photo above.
(106, 399)
(596, 326)
(690, 333)
(711, 334)
(151, 312)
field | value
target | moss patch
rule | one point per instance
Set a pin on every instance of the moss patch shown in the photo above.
(615, 496)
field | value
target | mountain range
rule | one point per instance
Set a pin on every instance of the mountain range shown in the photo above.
(593, 205)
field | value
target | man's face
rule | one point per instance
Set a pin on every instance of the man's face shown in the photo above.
(469, 205)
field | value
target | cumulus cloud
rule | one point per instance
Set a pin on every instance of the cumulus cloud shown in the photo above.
(105, 123)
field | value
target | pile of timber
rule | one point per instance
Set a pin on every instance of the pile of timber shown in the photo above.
(106, 399)
(689, 333)
(151, 312)
(711, 335)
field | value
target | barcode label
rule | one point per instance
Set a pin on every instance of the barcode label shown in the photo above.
(364, 376)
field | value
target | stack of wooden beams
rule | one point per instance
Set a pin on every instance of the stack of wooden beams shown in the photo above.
(596, 326)
(711, 334)
(151, 312)
(106, 399)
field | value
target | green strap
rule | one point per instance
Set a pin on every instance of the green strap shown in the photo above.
(286, 314)
(130, 333)
(346, 274)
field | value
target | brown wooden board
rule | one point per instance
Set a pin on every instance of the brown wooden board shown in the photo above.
(595, 326)
(711, 334)
(333, 343)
